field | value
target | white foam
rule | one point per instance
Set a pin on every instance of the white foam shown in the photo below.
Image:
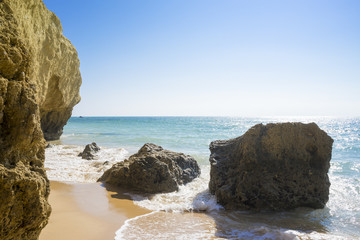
(317, 236)
(344, 205)
(63, 164)
(67, 135)
(340, 218)
(120, 234)
(193, 196)
(163, 225)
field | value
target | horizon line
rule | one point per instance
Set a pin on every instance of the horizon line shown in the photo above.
(225, 116)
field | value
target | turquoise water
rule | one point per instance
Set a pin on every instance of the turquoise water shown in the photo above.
(188, 134)
(192, 135)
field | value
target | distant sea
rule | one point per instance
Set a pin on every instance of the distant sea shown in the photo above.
(192, 213)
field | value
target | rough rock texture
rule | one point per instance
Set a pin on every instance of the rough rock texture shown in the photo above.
(89, 151)
(32, 54)
(53, 64)
(276, 166)
(153, 170)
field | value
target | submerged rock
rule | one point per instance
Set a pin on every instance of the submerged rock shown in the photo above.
(39, 85)
(89, 151)
(153, 170)
(273, 166)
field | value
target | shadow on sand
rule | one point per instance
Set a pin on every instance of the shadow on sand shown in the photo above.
(234, 224)
(125, 193)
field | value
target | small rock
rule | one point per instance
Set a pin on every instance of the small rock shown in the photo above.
(89, 151)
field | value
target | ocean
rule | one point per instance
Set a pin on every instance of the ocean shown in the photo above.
(192, 213)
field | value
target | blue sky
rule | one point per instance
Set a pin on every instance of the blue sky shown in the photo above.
(215, 58)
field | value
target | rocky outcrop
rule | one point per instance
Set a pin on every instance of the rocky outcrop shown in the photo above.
(273, 166)
(53, 63)
(89, 151)
(153, 170)
(35, 60)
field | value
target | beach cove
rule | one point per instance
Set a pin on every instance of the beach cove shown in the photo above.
(77, 176)
(192, 213)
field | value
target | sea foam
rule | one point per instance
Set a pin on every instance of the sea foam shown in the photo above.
(162, 225)
(193, 196)
(62, 163)
(175, 214)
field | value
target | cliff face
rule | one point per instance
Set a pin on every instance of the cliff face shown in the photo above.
(39, 79)
(54, 65)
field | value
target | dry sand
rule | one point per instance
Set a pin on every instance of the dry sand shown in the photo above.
(87, 211)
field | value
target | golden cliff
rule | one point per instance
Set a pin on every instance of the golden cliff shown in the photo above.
(39, 85)
(54, 67)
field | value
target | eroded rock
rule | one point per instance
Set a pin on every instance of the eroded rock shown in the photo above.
(153, 170)
(90, 151)
(273, 166)
(52, 63)
(25, 72)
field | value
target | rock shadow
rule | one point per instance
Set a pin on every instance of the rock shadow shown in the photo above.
(235, 224)
(125, 193)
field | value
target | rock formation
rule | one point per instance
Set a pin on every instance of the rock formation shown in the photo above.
(273, 166)
(39, 80)
(89, 151)
(53, 64)
(153, 170)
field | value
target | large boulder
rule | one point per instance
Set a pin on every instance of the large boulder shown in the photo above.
(28, 32)
(153, 170)
(89, 151)
(274, 167)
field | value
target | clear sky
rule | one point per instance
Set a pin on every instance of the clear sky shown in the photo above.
(215, 58)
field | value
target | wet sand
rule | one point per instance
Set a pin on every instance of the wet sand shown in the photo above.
(92, 212)
(87, 211)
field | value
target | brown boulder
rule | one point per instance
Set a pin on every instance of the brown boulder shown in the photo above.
(273, 166)
(153, 170)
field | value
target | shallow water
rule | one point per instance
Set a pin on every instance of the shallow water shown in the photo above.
(176, 214)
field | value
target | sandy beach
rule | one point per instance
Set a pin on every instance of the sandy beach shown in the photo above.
(87, 211)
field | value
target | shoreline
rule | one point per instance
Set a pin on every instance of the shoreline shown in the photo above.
(87, 211)
(337, 220)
